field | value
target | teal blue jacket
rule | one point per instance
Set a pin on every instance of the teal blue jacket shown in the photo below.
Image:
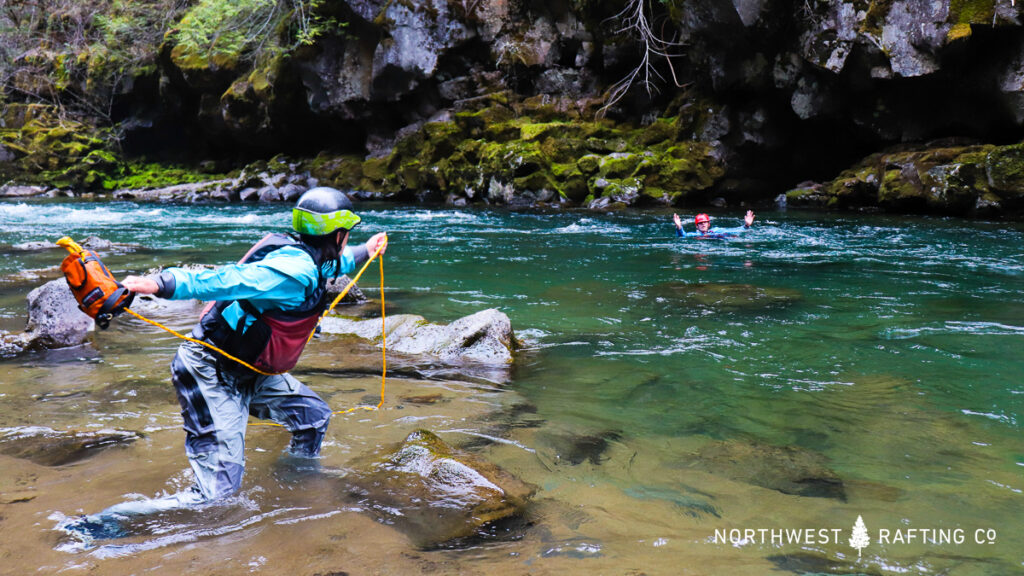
(713, 232)
(282, 281)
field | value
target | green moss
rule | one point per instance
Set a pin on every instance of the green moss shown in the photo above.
(338, 171)
(142, 175)
(187, 58)
(972, 11)
(376, 169)
(589, 164)
(803, 196)
(660, 130)
(898, 190)
(549, 130)
(619, 165)
(1005, 168)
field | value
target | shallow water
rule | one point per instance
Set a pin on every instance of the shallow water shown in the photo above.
(665, 388)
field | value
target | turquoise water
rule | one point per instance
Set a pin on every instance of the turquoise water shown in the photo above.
(887, 347)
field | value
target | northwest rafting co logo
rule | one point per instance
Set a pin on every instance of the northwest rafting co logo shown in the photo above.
(858, 537)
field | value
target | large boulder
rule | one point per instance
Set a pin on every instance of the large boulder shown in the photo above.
(435, 493)
(54, 320)
(485, 337)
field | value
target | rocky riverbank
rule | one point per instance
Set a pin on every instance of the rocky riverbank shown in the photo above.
(520, 103)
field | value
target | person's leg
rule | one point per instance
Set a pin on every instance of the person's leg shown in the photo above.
(292, 404)
(215, 416)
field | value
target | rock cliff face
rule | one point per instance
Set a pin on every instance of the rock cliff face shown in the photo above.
(438, 99)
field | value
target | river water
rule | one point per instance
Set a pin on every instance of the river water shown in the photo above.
(682, 406)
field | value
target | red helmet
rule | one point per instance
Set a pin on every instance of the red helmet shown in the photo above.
(701, 218)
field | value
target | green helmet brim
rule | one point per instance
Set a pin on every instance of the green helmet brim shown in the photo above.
(305, 222)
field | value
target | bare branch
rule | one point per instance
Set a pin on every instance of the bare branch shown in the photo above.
(636, 21)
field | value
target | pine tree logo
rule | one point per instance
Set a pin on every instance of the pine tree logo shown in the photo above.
(860, 537)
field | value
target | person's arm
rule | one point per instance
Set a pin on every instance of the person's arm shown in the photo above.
(679, 225)
(270, 279)
(232, 282)
(747, 221)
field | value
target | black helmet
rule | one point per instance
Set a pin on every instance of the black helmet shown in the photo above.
(321, 211)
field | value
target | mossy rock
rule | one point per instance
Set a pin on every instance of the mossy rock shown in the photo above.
(806, 196)
(589, 164)
(607, 145)
(536, 182)
(899, 189)
(474, 123)
(660, 130)
(954, 187)
(563, 149)
(377, 169)
(619, 165)
(337, 171)
(502, 132)
(965, 12)
(1005, 168)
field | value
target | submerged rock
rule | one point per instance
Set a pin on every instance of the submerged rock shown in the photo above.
(434, 493)
(788, 469)
(725, 296)
(54, 448)
(574, 449)
(485, 337)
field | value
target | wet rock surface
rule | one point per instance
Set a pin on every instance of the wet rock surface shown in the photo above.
(485, 337)
(574, 449)
(54, 448)
(336, 285)
(434, 493)
(54, 320)
(788, 469)
(724, 296)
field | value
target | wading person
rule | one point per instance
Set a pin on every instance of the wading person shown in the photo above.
(264, 309)
(704, 229)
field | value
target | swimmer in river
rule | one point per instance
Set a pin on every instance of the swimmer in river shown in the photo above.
(704, 229)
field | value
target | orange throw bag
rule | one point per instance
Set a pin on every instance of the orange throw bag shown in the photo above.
(99, 295)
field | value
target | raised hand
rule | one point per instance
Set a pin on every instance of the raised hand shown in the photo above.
(749, 218)
(677, 221)
(376, 241)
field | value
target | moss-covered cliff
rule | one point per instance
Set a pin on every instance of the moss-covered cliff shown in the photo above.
(512, 102)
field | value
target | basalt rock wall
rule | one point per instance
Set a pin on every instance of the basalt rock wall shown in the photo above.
(430, 99)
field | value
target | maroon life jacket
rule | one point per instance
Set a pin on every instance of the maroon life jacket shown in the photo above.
(274, 341)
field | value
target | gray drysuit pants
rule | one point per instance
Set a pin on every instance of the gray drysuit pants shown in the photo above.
(216, 404)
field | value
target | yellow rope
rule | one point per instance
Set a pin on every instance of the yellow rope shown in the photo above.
(383, 351)
(383, 375)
